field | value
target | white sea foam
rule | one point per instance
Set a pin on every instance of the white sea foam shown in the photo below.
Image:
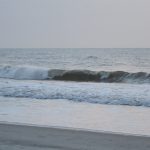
(102, 93)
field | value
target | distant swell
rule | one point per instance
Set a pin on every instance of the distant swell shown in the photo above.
(33, 73)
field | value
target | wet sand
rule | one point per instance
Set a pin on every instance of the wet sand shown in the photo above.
(30, 137)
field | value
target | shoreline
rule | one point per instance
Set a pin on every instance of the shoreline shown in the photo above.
(33, 137)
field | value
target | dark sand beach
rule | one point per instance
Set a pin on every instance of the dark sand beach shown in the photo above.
(29, 137)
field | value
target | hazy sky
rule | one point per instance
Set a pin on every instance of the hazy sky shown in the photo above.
(74, 23)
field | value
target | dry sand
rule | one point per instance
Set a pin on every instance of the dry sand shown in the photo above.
(30, 137)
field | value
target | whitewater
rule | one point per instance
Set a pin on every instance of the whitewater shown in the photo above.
(101, 76)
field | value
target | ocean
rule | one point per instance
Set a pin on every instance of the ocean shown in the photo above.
(104, 76)
(78, 80)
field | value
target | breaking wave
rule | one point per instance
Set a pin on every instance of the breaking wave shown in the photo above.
(23, 73)
(33, 73)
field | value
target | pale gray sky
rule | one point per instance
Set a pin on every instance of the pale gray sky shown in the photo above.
(74, 23)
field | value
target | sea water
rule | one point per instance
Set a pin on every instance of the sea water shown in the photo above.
(82, 77)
